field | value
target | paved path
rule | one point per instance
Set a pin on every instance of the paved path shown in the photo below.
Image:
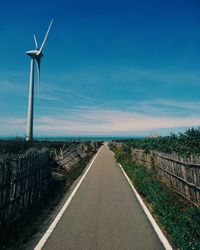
(104, 214)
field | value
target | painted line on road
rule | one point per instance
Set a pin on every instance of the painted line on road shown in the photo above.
(58, 217)
(157, 229)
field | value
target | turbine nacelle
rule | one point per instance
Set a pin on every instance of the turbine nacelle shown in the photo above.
(34, 53)
(37, 53)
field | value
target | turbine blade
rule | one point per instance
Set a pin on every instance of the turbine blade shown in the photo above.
(35, 40)
(45, 38)
(38, 59)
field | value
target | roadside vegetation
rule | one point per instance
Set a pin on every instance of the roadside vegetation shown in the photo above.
(183, 144)
(179, 219)
(20, 146)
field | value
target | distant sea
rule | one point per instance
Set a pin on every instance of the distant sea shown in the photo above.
(77, 138)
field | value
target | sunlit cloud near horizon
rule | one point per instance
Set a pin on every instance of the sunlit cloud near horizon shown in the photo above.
(102, 123)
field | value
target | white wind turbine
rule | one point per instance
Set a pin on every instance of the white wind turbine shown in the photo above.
(35, 55)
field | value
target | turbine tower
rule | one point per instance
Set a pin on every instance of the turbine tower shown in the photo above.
(36, 56)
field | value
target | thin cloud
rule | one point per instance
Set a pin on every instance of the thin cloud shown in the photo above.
(168, 107)
(112, 122)
(193, 105)
(99, 122)
(10, 87)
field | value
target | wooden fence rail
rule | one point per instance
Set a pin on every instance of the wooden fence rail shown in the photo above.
(178, 173)
(24, 179)
(69, 158)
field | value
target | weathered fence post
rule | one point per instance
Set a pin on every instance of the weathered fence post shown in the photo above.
(24, 180)
(176, 172)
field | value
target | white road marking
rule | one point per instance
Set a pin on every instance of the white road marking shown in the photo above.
(58, 217)
(157, 229)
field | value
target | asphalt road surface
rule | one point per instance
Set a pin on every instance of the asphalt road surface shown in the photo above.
(104, 213)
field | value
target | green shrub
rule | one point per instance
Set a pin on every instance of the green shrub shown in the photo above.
(183, 144)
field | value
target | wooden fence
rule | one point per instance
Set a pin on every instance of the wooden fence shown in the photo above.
(70, 157)
(178, 173)
(24, 179)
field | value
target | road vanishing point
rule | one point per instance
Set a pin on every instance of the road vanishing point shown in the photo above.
(103, 213)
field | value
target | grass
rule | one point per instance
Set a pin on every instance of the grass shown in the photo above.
(180, 219)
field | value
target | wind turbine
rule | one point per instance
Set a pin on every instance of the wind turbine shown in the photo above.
(36, 56)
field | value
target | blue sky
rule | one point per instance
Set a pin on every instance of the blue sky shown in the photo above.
(109, 67)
